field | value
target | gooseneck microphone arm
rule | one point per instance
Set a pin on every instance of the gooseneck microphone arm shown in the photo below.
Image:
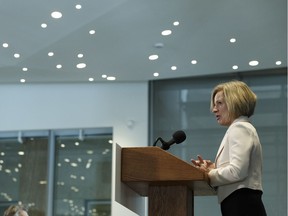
(178, 137)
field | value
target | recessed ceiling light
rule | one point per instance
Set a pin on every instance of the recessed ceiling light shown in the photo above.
(17, 55)
(173, 68)
(5, 45)
(24, 69)
(253, 63)
(91, 79)
(43, 25)
(278, 62)
(81, 65)
(50, 54)
(104, 76)
(111, 78)
(56, 14)
(176, 23)
(232, 40)
(78, 6)
(22, 80)
(156, 74)
(234, 67)
(194, 62)
(59, 66)
(166, 32)
(80, 55)
(153, 57)
(92, 32)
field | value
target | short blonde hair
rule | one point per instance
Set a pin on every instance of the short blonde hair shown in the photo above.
(239, 98)
(14, 210)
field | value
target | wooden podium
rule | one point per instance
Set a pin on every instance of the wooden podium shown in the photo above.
(169, 182)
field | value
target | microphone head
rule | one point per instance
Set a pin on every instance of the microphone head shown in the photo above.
(179, 136)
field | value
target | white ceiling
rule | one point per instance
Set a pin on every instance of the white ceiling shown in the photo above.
(126, 32)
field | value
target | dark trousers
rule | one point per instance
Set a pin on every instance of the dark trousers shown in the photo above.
(243, 202)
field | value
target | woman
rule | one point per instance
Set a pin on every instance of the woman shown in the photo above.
(237, 170)
(16, 210)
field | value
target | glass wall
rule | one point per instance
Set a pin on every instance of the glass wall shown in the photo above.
(63, 172)
(184, 104)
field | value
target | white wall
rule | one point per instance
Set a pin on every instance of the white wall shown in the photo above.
(62, 106)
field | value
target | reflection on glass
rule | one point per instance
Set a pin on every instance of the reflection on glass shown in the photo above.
(23, 173)
(83, 175)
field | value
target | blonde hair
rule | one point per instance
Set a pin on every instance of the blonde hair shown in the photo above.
(14, 210)
(239, 98)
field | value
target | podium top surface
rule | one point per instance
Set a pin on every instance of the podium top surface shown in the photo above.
(142, 167)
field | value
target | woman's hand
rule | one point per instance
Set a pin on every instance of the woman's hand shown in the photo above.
(204, 165)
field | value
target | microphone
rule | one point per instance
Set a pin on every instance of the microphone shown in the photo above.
(178, 137)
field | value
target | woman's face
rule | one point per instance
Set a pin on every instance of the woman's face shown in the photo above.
(220, 109)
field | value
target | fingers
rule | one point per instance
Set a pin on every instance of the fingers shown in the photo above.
(200, 159)
(195, 162)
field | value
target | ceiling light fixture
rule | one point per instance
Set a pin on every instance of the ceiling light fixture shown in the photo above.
(153, 57)
(16, 55)
(232, 40)
(80, 55)
(166, 32)
(43, 25)
(111, 78)
(91, 79)
(59, 66)
(278, 62)
(22, 80)
(253, 63)
(104, 76)
(91, 32)
(176, 23)
(78, 6)
(5, 45)
(50, 54)
(81, 65)
(173, 68)
(194, 62)
(234, 67)
(24, 69)
(56, 15)
(156, 74)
